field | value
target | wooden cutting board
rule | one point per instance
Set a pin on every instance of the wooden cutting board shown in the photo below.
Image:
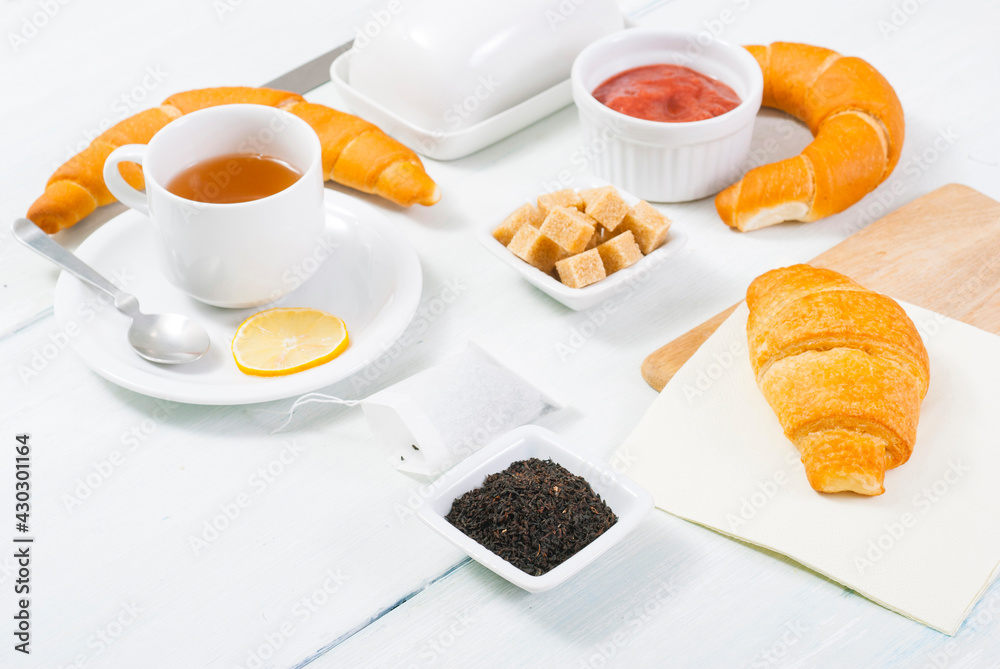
(940, 252)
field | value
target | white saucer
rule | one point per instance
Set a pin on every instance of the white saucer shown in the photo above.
(372, 281)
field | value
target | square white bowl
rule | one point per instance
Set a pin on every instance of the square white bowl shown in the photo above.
(627, 500)
(579, 299)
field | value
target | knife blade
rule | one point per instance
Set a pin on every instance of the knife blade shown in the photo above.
(310, 75)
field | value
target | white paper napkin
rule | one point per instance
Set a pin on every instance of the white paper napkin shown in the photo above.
(711, 451)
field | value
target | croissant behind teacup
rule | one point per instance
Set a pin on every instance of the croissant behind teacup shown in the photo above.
(356, 154)
(844, 369)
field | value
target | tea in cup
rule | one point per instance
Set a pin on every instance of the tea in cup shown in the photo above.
(235, 197)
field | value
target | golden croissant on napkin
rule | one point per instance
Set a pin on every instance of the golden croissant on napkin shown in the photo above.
(844, 370)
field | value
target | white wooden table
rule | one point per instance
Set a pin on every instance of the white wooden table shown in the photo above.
(321, 561)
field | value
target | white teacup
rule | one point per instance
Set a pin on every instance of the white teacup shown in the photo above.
(228, 255)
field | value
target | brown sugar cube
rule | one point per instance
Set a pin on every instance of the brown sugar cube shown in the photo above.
(605, 206)
(532, 214)
(561, 198)
(589, 194)
(568, 228)
(528, 214)
(619, 252)
(582, 269)
(648, 225)
(535, 248)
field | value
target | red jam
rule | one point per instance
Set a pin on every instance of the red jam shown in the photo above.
(670, 93)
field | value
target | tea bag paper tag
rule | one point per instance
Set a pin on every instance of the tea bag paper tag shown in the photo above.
(396, 421)
(434, 419)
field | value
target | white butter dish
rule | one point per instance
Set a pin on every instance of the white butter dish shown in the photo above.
(441, 144)
(449, 77)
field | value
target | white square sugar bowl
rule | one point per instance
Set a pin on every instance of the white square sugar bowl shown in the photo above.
(621, 282)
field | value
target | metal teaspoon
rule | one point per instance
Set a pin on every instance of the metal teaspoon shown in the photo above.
(165, 338)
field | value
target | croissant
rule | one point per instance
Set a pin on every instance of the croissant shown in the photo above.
(355, 153)
(857, 122)
(844, 370)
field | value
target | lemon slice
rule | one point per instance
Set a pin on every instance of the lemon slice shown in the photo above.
(283, 341)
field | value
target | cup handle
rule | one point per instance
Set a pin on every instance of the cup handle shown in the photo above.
(129, 196)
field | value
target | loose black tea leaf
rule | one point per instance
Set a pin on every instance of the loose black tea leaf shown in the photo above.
(534, 514)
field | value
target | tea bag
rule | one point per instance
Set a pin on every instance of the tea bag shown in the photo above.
(438, 417)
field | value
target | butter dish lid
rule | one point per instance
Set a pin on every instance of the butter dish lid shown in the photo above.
(446, 66)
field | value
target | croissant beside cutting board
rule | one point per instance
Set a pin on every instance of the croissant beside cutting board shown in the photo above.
(857, 121)
(844, 369)
(355, 153)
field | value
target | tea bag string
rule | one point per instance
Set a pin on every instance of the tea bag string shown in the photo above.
(309, 398)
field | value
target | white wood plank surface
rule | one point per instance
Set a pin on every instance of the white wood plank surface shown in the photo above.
(332, 526)
(673, 595)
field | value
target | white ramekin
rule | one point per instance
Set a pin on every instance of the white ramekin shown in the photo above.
(658, 161)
